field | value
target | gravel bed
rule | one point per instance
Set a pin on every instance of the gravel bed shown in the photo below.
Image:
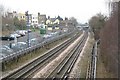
(80, 68)
(51, 66)
(26, 60)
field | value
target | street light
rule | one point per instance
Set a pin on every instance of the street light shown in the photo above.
(27, 21)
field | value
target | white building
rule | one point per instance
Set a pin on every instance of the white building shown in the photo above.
(34, 20)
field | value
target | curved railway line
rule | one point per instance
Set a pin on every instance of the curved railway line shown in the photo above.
(28, 70)
(63, 69)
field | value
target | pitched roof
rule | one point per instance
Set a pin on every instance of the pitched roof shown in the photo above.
(52, 19)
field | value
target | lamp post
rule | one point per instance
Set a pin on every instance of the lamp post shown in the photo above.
(27, 21)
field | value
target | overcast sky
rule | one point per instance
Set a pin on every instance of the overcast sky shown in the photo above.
(80, 9)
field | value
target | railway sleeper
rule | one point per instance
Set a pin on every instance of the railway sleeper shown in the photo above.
(69, 57)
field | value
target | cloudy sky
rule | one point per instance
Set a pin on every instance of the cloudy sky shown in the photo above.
(80, 9)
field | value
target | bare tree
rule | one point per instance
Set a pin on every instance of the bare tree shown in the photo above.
(74, 20)
(96, 23)
(7, 21)
(109, 41)
(22, 24)
(7, 24)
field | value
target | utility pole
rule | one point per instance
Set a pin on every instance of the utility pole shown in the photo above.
(27, 21)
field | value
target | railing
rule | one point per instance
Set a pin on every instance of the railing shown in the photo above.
(91, 71)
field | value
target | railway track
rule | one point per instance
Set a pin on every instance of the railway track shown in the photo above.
(29, 70)
(91, 72)
(63, 69)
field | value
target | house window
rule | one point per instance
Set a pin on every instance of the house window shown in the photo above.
(33, 21)
(33, 17)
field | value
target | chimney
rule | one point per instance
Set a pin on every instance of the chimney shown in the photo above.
(38, 14)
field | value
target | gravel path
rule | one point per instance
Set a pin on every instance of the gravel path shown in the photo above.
(51, 66)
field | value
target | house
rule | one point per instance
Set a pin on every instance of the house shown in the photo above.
(9, 15)
(66, 23)
(53, 23)
(41, 19)
(21, 16)
(15, 14)
(57, 21)
(50, 21)
(34, 21)
(54, 20)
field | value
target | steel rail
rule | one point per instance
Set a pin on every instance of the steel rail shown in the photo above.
(52, 56)
(30, 66)
(61, 71)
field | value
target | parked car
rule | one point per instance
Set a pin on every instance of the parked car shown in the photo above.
(65, 30)
(56, 33)
(5, 50)
(21, 32)
(52, 34)
(6, 38)
(18, 46)
(33, 41)
(29, 30)
(24, 31)
(15, 35)
(47, 36)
